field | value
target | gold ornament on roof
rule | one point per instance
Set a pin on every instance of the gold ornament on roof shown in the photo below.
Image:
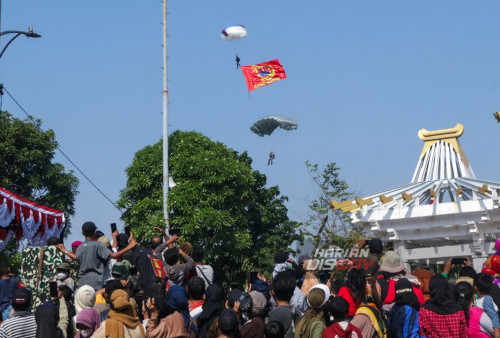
(450, 136)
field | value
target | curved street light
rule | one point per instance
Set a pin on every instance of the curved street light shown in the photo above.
(29, 34)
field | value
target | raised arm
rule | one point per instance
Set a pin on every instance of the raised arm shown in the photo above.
(133, 243)
(70, 254)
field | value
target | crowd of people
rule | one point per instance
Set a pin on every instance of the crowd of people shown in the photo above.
(120, 289)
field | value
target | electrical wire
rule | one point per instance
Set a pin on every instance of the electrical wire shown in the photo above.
(63, 153)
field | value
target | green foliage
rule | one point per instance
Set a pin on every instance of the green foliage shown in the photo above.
(27, 167)
(219, 203)
(330, 227)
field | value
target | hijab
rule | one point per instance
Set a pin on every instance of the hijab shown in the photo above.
(121, 313)
(316, 298)
(46, 321)
(440, 301)
(176, 300)
(90, 318)
(405, 295)
(213, 306)
(84, 298)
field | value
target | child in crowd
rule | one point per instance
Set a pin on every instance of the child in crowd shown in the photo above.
(339, 308)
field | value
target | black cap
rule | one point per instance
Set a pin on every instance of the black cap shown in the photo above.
(21, 296)
(88, 227)
(122, 240)
(98, 234)
(280, 257)
(375, 245)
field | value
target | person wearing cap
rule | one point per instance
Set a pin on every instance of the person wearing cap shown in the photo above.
(376, 248)
(63, 277)
(111, 261)
(92, 256)
(255, 326)
(22, 323)
(393, 270)
(313, 322)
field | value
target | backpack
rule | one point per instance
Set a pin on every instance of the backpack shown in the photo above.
(377, 318)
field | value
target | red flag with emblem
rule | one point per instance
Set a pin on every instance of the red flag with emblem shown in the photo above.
(262, 74)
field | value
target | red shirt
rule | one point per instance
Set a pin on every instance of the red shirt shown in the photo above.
(435, 325)
(391, 293)
(336, 331)
(345, 293)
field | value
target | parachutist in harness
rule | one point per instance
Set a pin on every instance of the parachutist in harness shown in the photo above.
(237, 62)
(271, 158)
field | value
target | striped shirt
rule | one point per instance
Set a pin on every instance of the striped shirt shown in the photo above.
(21, 324)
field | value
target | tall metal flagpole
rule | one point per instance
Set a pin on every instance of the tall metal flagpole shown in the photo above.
(165, 120)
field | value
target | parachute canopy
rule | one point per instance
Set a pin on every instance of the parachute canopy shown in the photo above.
(233, 33)
(266, 125)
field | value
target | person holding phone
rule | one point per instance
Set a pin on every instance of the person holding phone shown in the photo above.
(92, 256)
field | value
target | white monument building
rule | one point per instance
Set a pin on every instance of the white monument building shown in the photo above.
(445, 211)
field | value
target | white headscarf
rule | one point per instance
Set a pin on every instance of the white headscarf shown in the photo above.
(325, 288)
(84, 298)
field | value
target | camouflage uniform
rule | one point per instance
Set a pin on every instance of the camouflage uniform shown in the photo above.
(73, 271)
(37, 275)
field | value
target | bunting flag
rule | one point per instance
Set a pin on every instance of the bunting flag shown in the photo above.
(262, 74)
(35, 222)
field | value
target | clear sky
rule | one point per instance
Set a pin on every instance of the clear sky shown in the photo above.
(363, 78)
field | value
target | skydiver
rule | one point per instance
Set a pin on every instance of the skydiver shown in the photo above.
(271, 158)
(237, 62)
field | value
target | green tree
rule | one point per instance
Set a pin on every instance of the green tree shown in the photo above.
(219, 203)
(326, 226)
(26, 155)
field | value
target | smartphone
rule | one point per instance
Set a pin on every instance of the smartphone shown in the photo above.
(113, 227)
(252, 276)
(234, 286)
(458, 260)
(53, 289)
(175, 231)
(127, 231)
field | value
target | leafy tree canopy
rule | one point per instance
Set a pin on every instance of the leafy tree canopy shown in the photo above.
(219, 203)
(27, 167)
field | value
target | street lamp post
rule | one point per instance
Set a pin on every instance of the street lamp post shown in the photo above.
(29, 34)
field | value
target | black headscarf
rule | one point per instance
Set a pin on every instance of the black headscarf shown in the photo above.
(405, 295)
(213, 306)
(440, 301)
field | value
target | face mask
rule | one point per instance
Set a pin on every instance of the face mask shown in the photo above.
(61, 276)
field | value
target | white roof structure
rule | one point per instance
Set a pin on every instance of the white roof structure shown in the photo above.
(444, 211)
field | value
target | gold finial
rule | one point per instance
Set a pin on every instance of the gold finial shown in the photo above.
(384, 199)
(450, 136)
(362, 202)
(407, 197)
(441, 134)
(484, 189)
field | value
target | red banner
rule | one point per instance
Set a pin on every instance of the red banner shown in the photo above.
(262, 74)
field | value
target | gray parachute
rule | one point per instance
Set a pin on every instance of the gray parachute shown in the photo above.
(266, 125)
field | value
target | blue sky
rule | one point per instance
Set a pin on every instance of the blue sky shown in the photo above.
(363, 78)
